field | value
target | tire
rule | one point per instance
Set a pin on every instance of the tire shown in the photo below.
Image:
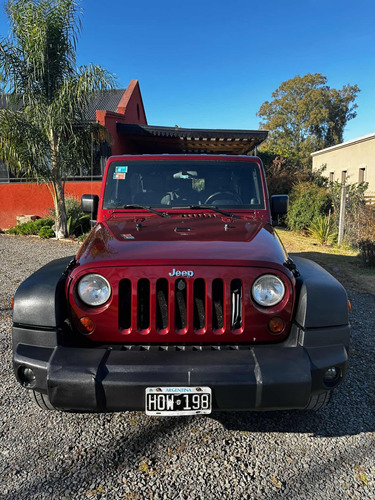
(41, 400)
(319, 401)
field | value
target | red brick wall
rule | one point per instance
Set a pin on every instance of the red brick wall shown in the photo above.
(35, 199)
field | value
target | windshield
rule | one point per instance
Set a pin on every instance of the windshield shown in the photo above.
(170, 184)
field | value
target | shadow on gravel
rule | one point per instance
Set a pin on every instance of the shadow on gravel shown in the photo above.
(349, 270)
(333, 421)
(136, 450)
(128, 452)
(328, 469)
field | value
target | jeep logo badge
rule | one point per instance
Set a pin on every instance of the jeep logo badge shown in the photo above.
(187, 274)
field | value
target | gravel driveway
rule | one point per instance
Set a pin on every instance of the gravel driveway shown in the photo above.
(325, 455)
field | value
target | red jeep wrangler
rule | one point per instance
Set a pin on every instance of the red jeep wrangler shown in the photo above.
(182, 300)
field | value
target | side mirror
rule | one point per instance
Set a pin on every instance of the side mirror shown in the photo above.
(89, 204)
(279, 205)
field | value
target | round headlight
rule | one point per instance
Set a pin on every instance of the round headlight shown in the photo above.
(268, 290)
(94, 289)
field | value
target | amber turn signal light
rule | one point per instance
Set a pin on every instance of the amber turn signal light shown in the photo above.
(276, 325)
(86, 325)
(349, 306)
(12, 303)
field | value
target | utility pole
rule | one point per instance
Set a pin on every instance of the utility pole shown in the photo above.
(342, 214)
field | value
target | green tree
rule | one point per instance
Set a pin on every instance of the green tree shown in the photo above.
(305, 115)
(283, 171)
(42, 134)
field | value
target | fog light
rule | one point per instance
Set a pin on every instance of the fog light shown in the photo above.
(276, 325)
(86, 325)
(27, 376)
(331, 376)
(331, 373)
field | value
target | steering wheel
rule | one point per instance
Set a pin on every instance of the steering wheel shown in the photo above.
(224, 195)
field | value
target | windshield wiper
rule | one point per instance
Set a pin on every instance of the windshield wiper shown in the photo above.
(215, 209)
(162, 214)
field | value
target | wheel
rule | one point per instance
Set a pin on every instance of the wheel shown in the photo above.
(319, 401)
(41, 400)
(224, 195)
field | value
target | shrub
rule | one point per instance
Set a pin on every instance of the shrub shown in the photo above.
(367, 215)
(354, 195)
(46, 232)
(323, 229)
(32, 227)
(77, 221)
(367, 249)
(307, 202)
(358, 218)
(359, 226)
(81, 238)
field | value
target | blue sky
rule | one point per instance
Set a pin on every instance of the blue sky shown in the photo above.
(211, 64)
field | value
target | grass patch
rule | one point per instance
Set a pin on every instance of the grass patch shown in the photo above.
(344, 263)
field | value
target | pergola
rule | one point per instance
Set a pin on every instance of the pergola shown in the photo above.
(147, 139)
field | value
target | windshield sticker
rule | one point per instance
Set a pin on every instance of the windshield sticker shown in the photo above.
(122, 170)
(119, 175)
(128, 236)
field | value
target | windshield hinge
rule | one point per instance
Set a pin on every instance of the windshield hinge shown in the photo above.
(69, 267)
(289, 264)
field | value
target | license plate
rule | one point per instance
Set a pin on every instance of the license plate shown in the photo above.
(178, 401)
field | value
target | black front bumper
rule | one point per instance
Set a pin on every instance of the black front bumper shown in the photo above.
(243, 378)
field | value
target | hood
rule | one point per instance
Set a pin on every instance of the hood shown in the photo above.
(194, 239)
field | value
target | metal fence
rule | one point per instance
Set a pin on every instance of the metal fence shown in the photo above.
(370, 200)
(18, 180)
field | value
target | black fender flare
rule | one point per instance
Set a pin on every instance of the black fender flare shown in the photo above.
(40, 300)
(322, 301)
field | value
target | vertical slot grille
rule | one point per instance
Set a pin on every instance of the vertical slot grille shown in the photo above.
(143, 304)
(199, 304)
(180, 304)
(194, 308)
(161, 304)
(125, 303)
(236, 304)
(217, 304)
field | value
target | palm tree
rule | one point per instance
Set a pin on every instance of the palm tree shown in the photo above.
(42, 131)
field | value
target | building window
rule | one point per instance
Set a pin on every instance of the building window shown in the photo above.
(343, 176)
(331, 176)
(361, 176)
